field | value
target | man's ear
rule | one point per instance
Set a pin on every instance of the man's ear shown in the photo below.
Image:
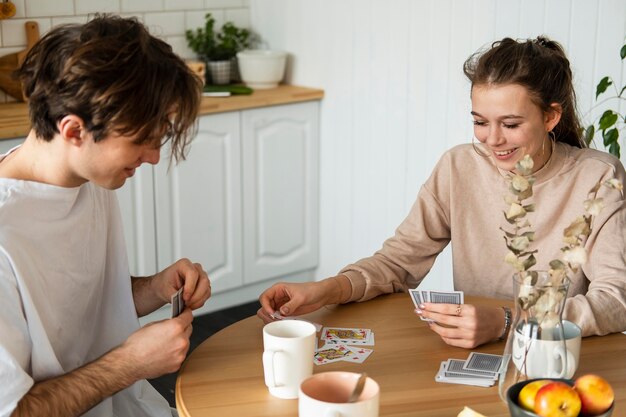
(552, 117)
(72, 129)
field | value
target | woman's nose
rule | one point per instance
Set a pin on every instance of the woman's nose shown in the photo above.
(495, 137)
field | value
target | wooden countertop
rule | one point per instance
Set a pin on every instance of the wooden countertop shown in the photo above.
(14, 120)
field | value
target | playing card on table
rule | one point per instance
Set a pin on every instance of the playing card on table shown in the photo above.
(358, 355)
(483, 362)
(346, 335)
(339, 352)
(178, 304)
(331, 353)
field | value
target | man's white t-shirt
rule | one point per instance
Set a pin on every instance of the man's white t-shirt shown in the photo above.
(65, 291)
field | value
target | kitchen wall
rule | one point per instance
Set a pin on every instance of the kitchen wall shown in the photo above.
(396, 97)
(167, 19)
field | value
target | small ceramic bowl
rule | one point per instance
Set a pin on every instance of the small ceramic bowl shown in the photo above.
(262, 68)
(518, 411)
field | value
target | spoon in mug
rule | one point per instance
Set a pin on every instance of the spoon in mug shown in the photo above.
(358, 389)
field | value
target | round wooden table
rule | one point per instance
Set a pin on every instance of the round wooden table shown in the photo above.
(224, 375)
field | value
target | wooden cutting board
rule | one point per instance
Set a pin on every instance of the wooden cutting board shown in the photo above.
(11, 62)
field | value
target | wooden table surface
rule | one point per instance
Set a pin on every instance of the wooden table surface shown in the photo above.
(224, 375)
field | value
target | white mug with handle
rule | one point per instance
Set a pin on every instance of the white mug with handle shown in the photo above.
(548, 358)
(289, 346)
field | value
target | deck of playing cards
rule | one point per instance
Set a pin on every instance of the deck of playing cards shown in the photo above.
(344, 344)
(479, 369)
(428, 296)
(178, 304)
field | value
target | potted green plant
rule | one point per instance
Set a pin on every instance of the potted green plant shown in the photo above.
(612, 121)
(218, 48)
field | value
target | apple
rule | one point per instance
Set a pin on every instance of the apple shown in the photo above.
(557, 399)
(596, 394)
(526, 397)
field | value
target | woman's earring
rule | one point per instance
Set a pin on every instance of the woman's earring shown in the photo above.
(552, 135)
(484, 155)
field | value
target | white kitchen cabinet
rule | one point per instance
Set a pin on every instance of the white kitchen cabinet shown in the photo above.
(280, 190)
(198, 203)
(244, 203)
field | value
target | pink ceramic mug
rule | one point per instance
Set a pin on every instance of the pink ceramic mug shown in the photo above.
(326, 395)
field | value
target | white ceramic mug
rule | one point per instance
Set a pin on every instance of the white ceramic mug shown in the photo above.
(546, 358)
(289, 346)
(326, 395)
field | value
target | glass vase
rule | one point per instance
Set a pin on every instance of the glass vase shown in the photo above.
(535, 346)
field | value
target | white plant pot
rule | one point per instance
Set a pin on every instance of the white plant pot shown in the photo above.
(262, 68)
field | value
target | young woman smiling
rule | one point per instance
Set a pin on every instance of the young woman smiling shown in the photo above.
(523, 103)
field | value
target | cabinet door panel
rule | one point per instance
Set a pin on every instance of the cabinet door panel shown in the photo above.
(136, 199)
(198, 203)
(280, 180)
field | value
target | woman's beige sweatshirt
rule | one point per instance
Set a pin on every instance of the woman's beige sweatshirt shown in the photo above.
(462, 203)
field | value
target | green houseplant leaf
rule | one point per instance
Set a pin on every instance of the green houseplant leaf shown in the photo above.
(612, 121)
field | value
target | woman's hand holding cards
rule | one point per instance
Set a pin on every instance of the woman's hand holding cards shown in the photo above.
(468, 326)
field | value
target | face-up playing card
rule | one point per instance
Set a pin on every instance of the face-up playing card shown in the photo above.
(331, 353)
(178, 304)
(339, 352)
(358, 355)
(483, 362)
(349, 336)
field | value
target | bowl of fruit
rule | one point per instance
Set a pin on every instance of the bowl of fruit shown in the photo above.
(588, 395)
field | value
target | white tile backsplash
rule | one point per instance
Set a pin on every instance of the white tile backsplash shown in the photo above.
(94, 6)
(14, 32)
(239, 17)
(183, 4)
(69, 19)
(196, 20)
(141, 5)
(41, 8)
(179, 46)
(223, 4)
(165, 24)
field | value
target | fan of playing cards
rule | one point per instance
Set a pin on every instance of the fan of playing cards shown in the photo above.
(344, 344)
(428, 296)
